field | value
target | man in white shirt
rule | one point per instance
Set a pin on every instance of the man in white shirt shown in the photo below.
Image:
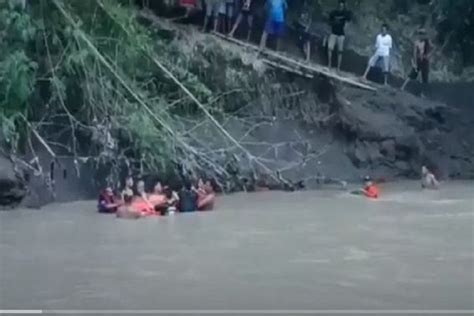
(383, 46)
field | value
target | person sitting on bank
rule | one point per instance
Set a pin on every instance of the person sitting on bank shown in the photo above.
(108, 203)
(428, 179)
(188, 198)
(338, 19)
(422, 51)
(275, 24)
(383, 47)
(304, 37)
(247, 12)
(205, 196)
(369, 190)
(126, 210)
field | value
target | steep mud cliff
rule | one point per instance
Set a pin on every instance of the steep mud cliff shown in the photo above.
(318, 127)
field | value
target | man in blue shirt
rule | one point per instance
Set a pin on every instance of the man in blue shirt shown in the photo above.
(275, 24)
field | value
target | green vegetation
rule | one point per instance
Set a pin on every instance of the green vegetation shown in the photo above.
(86, 79)
(86, 70)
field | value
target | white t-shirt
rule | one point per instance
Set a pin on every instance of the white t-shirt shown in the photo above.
(383, 44)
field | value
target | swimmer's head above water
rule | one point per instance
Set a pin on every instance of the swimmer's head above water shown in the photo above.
(368, 181)
(424, 170)
(108, 191)
(158, 189)
(141, 186)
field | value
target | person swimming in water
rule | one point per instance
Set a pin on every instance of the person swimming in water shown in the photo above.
(187, 198)
(157, 198)
(172, 200)
(370, 190)
(205, 196)
(428, 179)
(128, 189)
(108, 202)
(141, 201)
(126, 210)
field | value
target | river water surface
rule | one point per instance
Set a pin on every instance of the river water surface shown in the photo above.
(275, 250)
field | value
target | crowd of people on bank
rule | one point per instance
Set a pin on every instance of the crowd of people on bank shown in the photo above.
(134, 202)
(227, 16)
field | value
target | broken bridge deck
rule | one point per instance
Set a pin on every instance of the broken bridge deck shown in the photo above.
(291, 64)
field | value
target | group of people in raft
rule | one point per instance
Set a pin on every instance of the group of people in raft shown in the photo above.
(135, 202)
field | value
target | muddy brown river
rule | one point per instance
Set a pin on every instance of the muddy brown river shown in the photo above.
(323, 250)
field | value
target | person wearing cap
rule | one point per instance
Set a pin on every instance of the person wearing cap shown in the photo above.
(383, 47)
(369, 190)
(422, 51)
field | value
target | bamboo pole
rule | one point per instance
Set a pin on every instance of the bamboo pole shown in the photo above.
(198, 103)
(102, 59)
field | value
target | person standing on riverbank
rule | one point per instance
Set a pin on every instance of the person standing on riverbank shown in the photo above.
(229, 15)
(275, 24)
(338, 19)
(304, 37)
(212, 12)
(247, 12)
(383, 47)
(421, 60)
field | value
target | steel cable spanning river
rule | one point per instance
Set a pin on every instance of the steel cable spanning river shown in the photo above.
(411, 249)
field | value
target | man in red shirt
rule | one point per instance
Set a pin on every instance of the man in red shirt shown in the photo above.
(369, 190)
